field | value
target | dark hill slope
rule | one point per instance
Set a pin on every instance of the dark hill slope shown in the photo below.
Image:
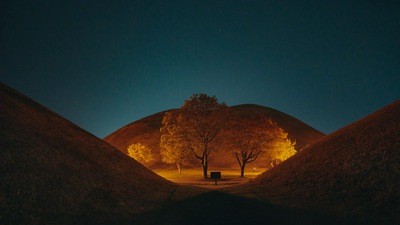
(147, 130)
(53, 172)
(354, 172)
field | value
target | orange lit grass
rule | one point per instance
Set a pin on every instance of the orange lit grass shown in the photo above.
(194, 177)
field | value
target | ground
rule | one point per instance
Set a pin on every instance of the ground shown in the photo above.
(194, 177)
(199, 201)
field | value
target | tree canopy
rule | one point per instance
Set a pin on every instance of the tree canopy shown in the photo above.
(282, 149)
(140, 153)
(195, 126)
(251, 137)
(173, 148)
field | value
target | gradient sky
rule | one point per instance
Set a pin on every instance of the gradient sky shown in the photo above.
(104, 64)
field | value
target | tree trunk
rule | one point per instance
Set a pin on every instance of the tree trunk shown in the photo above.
(242, 169)
(179, 168)
(205, 171)
(204, 164)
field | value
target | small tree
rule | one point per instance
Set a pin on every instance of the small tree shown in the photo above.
(140, 153)
(196, 126)
(172, 148)
(249, 137)
(282, 149)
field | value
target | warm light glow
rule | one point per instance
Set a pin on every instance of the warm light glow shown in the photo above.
(140, 153)
(194, 177)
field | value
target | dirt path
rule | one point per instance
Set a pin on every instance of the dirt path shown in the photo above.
(199, 201)
(210, 207)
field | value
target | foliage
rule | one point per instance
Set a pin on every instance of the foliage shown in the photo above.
(249, 137)
(140, 153)
(173, 148)
(282, 149)
(195, 126)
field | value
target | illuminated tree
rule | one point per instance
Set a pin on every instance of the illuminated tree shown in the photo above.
(173, 149)
(250, 137)
(195, 126)
(140, 153)
(282, 149)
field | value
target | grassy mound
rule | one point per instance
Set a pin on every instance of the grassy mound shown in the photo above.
(53, 172)
(353, 172)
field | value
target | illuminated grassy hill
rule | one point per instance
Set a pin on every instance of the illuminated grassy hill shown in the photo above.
(354, 172)
(53, 172)
(147, 131)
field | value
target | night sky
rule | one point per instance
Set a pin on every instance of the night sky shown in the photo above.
(104, 64)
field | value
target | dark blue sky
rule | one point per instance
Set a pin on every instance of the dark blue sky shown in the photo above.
(104, 64)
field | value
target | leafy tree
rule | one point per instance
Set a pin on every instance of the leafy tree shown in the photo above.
(140, 153)
(173, 148)
(282, 149)
(250, 137)
(195, 126)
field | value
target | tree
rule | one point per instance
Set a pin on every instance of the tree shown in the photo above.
(282, 149)
(195, 126)
(249, 137)
(173, 148)
(140, 153)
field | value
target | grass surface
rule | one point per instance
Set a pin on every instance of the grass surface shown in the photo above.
(53, 172)
(199, 201)
(215, 207)
(353, 172)
(194, 177)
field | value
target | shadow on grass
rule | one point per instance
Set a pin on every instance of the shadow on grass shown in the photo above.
(221, 208)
